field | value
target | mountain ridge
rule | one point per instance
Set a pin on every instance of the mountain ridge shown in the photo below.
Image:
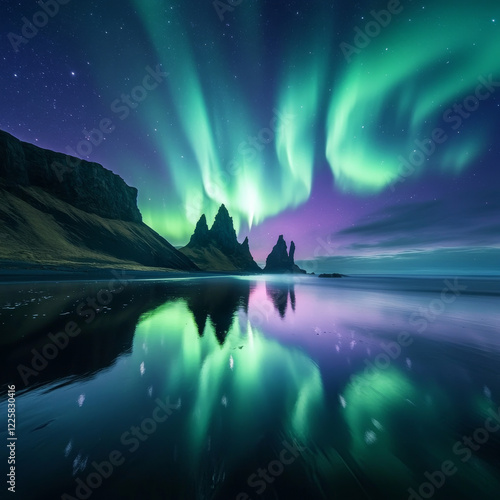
(89, 216)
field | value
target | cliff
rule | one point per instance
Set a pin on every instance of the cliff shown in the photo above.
(217, 248)
(56, 209)
(84, 185)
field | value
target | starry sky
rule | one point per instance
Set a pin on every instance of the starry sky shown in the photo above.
(366, 131)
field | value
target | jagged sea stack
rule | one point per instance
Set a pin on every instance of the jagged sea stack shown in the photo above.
(280, 261)
(217, 249)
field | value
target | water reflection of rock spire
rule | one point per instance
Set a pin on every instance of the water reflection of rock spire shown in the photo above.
(219, 303)
(92, 351)
(278, 294)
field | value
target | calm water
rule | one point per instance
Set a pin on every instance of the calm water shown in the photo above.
(236, 388)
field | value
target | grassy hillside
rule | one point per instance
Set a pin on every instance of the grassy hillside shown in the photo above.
(210, 258)
(36, 227)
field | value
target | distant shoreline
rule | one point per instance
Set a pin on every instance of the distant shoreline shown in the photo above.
(25, 272)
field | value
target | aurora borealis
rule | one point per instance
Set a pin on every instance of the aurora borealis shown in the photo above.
(387, 157)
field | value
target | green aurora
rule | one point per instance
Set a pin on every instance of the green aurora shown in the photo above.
(379, 103)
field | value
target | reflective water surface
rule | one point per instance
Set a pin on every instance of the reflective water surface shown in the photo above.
(244, 388)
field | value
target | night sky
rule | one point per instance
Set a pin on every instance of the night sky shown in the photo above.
(374, 153)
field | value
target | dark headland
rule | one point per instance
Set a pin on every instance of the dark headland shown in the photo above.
(60, 211)
(65, 217)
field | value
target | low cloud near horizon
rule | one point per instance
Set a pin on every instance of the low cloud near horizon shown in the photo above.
(449, 222)
(442, 261)
(457, 235)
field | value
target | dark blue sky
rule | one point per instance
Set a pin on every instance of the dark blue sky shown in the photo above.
(308, 119)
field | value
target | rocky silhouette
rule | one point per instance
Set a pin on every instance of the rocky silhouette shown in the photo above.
(280, 260)
(280, 294)
(201, 233)
(84, 185)
(56, 209)
(91, 351)
(217, 248)
(218, 304)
